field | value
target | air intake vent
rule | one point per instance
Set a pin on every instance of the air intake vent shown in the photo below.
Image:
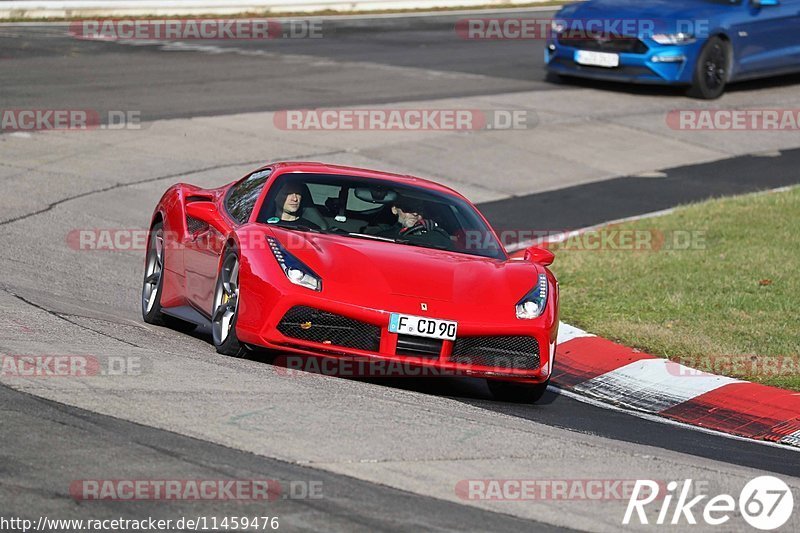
(193, 225)
(418, 346)
(315, 325)
(516, 352)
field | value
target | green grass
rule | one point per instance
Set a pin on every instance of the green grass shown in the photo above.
(734, 296)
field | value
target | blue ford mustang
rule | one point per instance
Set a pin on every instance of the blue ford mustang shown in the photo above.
(700, 43)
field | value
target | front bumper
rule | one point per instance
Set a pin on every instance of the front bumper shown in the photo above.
(649, 63)
(354, 333)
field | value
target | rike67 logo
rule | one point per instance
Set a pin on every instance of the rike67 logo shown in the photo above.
(765, 503)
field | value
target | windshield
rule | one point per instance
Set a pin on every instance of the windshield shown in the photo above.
(363, 208)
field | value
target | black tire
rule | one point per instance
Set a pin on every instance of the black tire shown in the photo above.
(153, 282)
(509, 391)
(555, 78)
(712, 70)
(225, 307)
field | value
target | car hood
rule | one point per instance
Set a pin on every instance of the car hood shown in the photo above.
(663, 13)
(361, 270)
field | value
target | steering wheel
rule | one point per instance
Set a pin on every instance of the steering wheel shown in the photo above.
(419, 228)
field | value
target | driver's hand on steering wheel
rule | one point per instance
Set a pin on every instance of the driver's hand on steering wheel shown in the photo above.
(427, 224)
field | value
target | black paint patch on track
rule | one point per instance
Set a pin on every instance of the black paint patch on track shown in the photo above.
(594, 203)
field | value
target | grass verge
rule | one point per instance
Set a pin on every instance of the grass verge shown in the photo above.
(714, 285)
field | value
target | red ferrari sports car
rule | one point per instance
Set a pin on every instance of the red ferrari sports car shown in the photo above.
(321, 260)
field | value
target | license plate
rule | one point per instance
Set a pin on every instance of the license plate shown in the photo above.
(596, 59)
(421, 326)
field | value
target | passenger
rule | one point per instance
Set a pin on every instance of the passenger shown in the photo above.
(290, 207)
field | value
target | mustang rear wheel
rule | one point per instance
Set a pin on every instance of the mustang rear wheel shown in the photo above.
(226, 307)
(711, 70)
(508, 391)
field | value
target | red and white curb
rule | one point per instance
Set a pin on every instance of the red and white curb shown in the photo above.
(612, 373)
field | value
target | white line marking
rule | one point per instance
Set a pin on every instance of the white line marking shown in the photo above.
(791, 440)
(768, 153)
(314, 61)
(567, 333)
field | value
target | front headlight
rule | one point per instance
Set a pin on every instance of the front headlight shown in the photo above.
(673, 38)
(297, 272)
(532, 304)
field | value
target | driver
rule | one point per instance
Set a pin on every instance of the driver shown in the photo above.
(289, 209)
(411, 224)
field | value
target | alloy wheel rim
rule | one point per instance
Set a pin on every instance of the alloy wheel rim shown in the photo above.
(715, 67)
(226, 300)
(153, 270)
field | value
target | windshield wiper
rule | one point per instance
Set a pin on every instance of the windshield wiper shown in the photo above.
(372, 237)
(422, 244)
(398, 241)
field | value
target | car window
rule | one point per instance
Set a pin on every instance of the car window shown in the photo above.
(373, 210)
(356, 204)
(320, 192)
(242, 196)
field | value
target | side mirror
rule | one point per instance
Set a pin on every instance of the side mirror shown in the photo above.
(207, 212)
(539, 255)
(764, 3)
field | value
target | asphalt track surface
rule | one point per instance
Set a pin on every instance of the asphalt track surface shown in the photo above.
(45, 445)
(421, 58)
(228, 77)
(82, 437)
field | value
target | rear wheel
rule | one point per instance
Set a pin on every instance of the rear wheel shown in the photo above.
(509, 391)
(711, 70)
(226, 307)
(153, 283)
(153, 279)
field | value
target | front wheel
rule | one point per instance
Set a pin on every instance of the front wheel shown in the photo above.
(509, 391)
(711, 70)
(226, 306)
